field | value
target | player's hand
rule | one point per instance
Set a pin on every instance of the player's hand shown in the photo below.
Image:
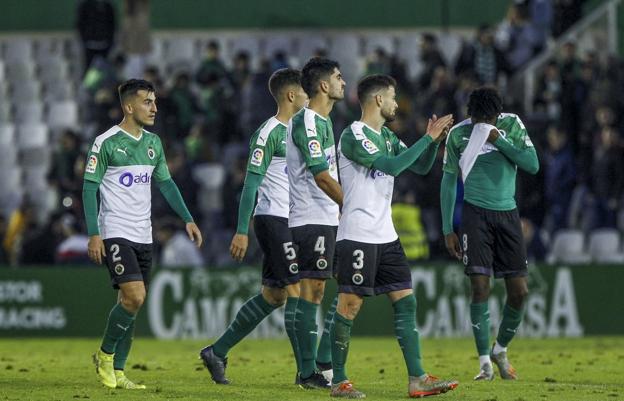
(452, 245)
(438, 128)
(194, 234)
(96, 249)
(494, 134)
(238, 247)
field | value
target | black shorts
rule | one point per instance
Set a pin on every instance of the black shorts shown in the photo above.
(316, 245)
(492, 242)
(372, 269)
(128, 261)
(279, 265)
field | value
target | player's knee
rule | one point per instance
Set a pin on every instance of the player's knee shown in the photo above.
(480, 292)
(133, 302)
(516, 298)
(275, 297)
(350, 309)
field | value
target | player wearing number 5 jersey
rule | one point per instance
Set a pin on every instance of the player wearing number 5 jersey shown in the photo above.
(266, 175)
(371, 260)
(487, 150)
(122, 163)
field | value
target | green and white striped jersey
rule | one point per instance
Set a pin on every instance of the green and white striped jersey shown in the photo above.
(310, 142)
(124, 167)
(267, 157)
(366, 210)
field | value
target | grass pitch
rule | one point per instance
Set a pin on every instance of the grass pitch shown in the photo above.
(60, 369)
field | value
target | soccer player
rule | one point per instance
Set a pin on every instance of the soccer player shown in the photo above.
(487, 149)
(266, 175)
(315, 196)
(121, 164)
(371, 260)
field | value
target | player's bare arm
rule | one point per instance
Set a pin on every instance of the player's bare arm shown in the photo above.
(329, 186)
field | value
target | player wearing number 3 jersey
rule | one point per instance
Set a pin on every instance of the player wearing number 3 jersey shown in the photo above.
(371, 260)
(122, 163)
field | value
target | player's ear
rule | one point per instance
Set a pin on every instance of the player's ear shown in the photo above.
(324, 86)
(290, 95)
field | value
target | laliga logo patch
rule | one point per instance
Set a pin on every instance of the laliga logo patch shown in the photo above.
(369, 146)
(92, 164)
(150, 153)
(293, 268)
(315, 148)
(257, 156)
(357, 279)
(321, 263)
(119, 269)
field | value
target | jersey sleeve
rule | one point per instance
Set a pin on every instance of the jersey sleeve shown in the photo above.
(161, 171)
(309, 138)
(97, 162)
(451, 155)
(398, 146)
(261, 153)
(358, 148)
(519, 134)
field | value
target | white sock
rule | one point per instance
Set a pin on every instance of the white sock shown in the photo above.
(423, 377)
(484, 360)
(498, 348)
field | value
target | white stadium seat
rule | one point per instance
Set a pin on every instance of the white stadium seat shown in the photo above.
(605, 246)
(19, 71)
(18, 49)
(29, 112)
(568, 247)
(7, 135)
(63, 114)
(32, 135)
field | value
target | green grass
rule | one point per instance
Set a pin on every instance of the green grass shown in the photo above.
(60, 369)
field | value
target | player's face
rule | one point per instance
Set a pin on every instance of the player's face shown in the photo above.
(144, 107)
(389, 104)
(301, 98)
(336, 85)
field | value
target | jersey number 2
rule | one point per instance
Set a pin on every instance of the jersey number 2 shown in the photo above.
(114, 249)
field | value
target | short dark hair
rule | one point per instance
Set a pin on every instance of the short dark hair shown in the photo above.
(314, 71)
(132, 86)
(485, 103)
(282, 78)
(373, 83)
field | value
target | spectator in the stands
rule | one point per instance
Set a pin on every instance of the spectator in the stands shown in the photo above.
(3, 229)
(517, 37)
(136, 39)
(549, 91)
(95, 21)
(63, 161)
(184, 103)
(482, 58)
(177, 250)
(559, 178)
(431, 58)
(607, 178)
(73, 248)
(211, 66)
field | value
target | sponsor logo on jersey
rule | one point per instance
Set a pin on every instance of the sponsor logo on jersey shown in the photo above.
(127, 179)
(120, 150)
(357, 279)
(256, 157)
(151, 153)
(310, 132)
(91, 164)
(119, 269)
(376, 174)
(315, 148)
(369, 146)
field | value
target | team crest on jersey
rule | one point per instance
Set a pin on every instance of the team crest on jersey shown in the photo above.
(321, 264)
(256, 157)
(91, 164)
(357, 279)
(150, 153)
(315, 148)
(389, 146)
(293, 268)
(119, 269)
(369, 146)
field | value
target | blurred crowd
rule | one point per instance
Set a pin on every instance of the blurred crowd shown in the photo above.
(207, 114)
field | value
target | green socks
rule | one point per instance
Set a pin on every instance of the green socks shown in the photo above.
(509, 325)
(247, 318)
(407, 334)
(480, 320)
(324, 352)
(340, 336)
(289, 325)
(307, 335)
(119, 322)
(123, 348)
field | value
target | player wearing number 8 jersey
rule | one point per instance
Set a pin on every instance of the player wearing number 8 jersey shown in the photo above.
(266, 175)
(487, 150)
(121, 165)
(371, 260)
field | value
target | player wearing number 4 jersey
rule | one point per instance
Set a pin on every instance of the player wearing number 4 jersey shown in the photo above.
(121, 164)
(487, 149)
(266, 175)
(371, 260)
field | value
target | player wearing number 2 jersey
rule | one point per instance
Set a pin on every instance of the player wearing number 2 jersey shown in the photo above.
(371, 260)
(122, 163)
(266, 175)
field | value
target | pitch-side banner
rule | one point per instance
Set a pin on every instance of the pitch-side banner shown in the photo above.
(196, 303)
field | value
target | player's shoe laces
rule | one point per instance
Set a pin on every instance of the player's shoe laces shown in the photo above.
(104, 368)
(507, 371)
(486, 373)
(125, 383)
(326, 370)
(316, 381)
(215, 365)
(431, 385)
(345, 389)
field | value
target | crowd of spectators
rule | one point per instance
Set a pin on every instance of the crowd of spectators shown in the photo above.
(206, 116)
